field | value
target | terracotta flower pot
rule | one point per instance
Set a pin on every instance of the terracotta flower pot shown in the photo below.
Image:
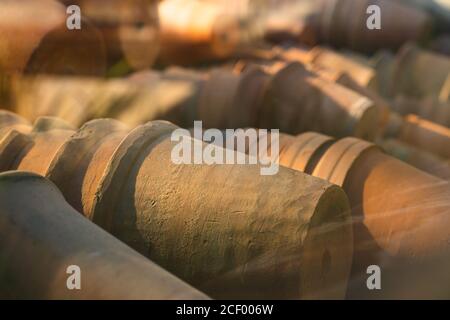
(419, 73)
(324, 57)
(299, 101)
(41, 231)
(10, 120)
(400, 213)
(420, 133)
(344, 23)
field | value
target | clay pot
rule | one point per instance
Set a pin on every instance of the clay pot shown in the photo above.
(347, 81)
(42, 232)
(343, 23)
(400, 214)
(295, 99)
(419, 73)
(329, 63)
(34, 151)
(10, 121)
(35, 39)
(78, 166)
(298, 101)
(151, 147)
(363, 74)
(128, 184)
(276, 58)
(420, 133)
(389, 199)
(217, 97)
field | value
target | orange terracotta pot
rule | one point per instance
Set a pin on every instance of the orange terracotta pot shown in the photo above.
(400, 213)
(299, 101)
(419, 73)
(344, 23)
(40, 229)
(421, 133)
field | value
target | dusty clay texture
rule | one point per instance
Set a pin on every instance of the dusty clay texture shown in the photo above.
(236, 244)
(40, 229)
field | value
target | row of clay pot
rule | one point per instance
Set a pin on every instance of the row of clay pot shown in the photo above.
(400, 214)
(78, 99)
(323, 58)
(299, 100)
(343, 23)
(170, 95)
(35, 37)
(287, 96)
(342, 69)
(413, 72)
(197, 31)
(227, 230)
(363, 79)
(413, 130)
(192, 94)
(42, 237)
